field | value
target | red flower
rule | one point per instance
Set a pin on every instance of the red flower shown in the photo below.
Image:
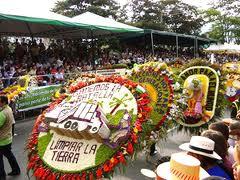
(91, 177)
(52, 177)
(231, 99)
(113, 162)
(130, 148)
(83, 176)
(99, 173)
(30, 165)
(121, 158)
(134, 137)
(106, 167)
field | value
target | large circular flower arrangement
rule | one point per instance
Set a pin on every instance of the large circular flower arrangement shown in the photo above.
(232, 83)
(156, 78)
(123, 122)
(231, 72)
(199, 96)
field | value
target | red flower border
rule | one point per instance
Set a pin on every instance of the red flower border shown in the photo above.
(41, 171)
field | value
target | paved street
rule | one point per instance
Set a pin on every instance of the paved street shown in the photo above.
(132, 171)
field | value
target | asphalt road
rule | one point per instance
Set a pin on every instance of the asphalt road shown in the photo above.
(23, 129)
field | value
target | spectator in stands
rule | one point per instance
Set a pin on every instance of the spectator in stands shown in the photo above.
(15, 76)
(34, 51)
(59, 77)
(33, 70)
(54, 70)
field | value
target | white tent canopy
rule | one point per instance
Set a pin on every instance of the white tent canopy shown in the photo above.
(224, 47)
(103, 26)
(106, 23)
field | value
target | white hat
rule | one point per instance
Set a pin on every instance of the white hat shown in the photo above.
(201, 145)
(181, 166)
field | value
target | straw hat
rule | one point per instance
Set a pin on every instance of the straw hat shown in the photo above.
(201, 145)
(181, 166)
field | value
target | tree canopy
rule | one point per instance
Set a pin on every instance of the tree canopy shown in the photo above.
(181, 17)
(105, 8)
(175, 15)
(224, 17)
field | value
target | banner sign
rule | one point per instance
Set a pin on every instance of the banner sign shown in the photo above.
(75, 153)
(109, 72)
(36, 98)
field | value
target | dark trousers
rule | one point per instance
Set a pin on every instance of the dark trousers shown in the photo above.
(7, 152)
(13, 125)
(152, 149)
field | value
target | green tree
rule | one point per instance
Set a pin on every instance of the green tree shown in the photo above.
(122, 15)
(106, 8)
(173, 15)
(181, 17)
(225, 21)
(230, 7)
(147, 14)
(217, 21)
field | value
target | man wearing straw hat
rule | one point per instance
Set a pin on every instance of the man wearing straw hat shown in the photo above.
(202, 148)
(181, 166)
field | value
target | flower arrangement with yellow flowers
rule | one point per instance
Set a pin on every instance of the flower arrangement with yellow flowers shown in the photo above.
(13, 92)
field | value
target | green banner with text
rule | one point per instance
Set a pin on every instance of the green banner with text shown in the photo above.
(36, 98)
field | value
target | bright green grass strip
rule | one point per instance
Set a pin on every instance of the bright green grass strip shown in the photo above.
(155, 116)
(115, 120)
(43, 143)
(104, 153)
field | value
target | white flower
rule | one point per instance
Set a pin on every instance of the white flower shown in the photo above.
(176, 86)
(23, 92)
(181, 101)
(231, 91)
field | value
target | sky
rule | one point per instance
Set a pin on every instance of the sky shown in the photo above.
(45, 5)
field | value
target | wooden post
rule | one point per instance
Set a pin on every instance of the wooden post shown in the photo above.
(177, 45)
(152, 43)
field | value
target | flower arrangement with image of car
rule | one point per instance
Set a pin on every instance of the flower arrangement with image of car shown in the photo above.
(119, 156)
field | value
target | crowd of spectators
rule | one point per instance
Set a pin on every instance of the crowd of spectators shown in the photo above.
(222, 57)
(50, 64)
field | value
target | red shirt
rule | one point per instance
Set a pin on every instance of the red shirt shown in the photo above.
(53, 71)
